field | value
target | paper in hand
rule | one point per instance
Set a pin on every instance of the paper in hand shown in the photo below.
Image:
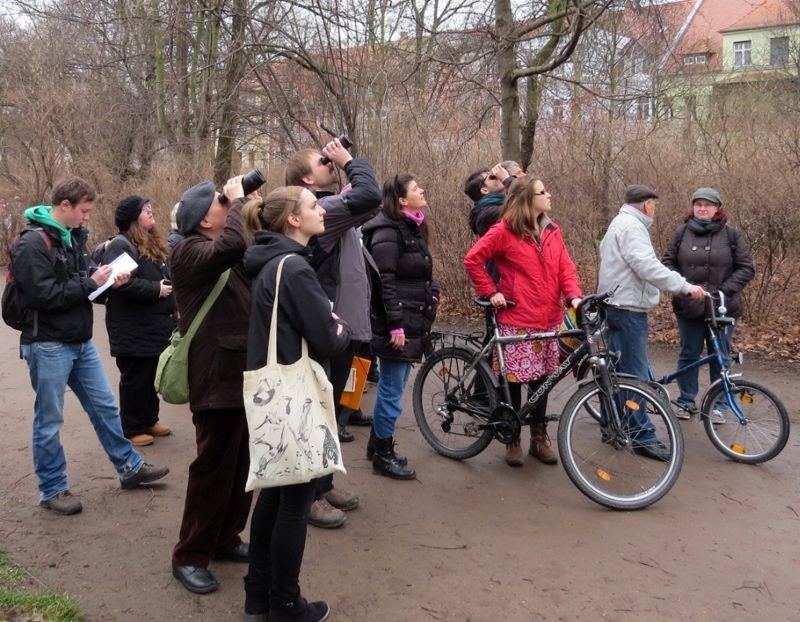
(123, 263)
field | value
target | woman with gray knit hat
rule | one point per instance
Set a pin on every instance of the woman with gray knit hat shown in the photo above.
(707, 251)
(139, 318)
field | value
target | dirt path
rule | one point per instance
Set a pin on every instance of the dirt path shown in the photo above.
(473, 541)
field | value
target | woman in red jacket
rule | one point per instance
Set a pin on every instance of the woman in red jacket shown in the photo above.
(536, 272)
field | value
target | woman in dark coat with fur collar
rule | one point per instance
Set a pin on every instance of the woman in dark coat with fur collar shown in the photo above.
(404, 301)
(711, 253)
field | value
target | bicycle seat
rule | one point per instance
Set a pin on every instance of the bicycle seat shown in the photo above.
(484, 302)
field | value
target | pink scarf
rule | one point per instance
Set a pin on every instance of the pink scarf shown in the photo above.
(417, 218)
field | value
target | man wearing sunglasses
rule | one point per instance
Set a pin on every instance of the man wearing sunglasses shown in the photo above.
(487, 189)
(340, 263)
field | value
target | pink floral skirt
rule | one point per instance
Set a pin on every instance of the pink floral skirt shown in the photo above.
(527, 360)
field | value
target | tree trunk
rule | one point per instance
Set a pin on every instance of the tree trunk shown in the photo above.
(226, 140)
(509, 97)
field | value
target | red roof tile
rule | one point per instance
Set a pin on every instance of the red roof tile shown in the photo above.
(767, 13)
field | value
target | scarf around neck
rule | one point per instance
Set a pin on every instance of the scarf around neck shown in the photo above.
(41, 214)
(417, 218)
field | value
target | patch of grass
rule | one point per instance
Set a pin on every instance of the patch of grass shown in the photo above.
(15, 601)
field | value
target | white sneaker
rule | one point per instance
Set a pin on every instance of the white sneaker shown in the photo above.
(685, 411)
(717, 418)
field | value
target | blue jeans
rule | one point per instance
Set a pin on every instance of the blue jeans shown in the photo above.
(693, 337)
(627, 334)
(389, 399)
(54, 366)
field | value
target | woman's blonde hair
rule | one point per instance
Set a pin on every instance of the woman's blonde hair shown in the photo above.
(149, 244)
(272, 212)
(517, 209)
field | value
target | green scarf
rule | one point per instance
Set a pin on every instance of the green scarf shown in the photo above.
(41, 215)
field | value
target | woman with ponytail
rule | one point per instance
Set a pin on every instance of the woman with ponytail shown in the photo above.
(282, 224)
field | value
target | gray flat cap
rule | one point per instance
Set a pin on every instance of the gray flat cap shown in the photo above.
(194, 205)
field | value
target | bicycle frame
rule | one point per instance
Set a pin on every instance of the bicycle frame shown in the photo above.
(713, 324)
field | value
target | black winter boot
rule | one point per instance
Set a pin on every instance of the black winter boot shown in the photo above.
(299, 610)
(384, 462)
(402, 460)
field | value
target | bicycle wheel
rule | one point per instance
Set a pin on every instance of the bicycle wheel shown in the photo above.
(762, 434)
(609, 467)
(442, 392)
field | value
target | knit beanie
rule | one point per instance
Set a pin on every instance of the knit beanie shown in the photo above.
(128, 210)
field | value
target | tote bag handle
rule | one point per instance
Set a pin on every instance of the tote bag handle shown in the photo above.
(272, 345)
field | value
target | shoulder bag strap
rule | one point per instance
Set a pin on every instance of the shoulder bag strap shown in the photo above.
(212, 298)
(272, 345)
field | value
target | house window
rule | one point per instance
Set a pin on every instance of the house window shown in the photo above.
(742, 54)
(695, 59)
(779, 50)
(691, 107)
(643, 109)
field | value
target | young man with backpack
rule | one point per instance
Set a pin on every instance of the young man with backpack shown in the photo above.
(49, 286)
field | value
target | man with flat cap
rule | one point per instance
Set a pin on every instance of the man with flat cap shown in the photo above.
(629, 263)
(216, 507)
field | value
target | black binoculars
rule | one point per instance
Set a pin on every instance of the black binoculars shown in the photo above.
(252, 181)
(346, 143)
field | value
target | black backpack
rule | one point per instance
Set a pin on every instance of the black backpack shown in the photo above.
(14, 309)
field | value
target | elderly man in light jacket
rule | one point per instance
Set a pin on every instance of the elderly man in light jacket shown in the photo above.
(629, 262)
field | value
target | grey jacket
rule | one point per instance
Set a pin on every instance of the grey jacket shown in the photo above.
(627, 259)
(358, 202)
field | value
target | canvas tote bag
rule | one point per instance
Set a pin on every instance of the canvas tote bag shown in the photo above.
(290, 416)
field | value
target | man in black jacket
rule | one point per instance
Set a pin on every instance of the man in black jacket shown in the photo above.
(49, 266)
(339, 260)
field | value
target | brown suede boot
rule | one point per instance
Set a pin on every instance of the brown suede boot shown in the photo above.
(540, 444)
(514, 454)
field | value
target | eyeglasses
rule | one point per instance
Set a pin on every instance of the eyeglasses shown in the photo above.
(490, 176)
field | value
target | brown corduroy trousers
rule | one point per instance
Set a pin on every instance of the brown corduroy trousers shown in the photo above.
(216, 507)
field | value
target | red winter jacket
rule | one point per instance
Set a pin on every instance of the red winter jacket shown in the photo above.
(532, 275)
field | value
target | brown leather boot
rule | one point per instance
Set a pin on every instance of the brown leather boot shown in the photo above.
(514, 455)
(540, 444)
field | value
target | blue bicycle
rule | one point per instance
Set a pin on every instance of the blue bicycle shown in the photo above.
(758, 429)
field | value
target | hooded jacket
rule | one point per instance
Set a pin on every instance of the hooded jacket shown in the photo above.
(337, 255)
(535, 275)
(628, 262)
(405, 294)
(714, 256)
(54, 283)
(138, 320)
(304, 310)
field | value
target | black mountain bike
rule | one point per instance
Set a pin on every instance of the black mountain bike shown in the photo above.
(460, 405)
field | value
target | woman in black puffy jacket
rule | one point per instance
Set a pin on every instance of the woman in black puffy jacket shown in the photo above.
(712, 254)
(404, 301)
(139, 318)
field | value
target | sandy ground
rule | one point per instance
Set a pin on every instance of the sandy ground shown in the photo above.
(468, 541)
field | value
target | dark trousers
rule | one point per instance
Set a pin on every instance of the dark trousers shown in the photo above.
(277, 543)
(540, 411)
(138, 400)
(216, 507)
(339, 372)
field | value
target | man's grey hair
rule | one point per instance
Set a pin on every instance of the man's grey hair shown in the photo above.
(509, 164)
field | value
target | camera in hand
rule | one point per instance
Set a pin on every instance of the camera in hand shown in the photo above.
(252, 181)
(346, 143)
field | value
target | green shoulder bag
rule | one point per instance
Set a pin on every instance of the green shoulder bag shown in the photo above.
(172, 373)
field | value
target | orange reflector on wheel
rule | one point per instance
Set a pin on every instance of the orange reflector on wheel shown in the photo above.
(746, 398)
(738, 448)
(443, 372)
(603, 475)
(631, 404)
